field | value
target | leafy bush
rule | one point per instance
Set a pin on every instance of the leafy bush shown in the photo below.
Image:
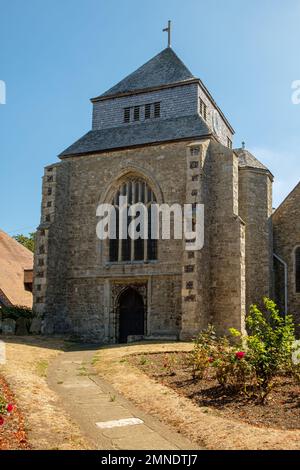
(16, 312)
(201, 356)
(169, 364)
(234, 372)
(249, 364)
(5, 409)
(270, 344)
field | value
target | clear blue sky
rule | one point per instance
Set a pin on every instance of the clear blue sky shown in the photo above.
(56, 54)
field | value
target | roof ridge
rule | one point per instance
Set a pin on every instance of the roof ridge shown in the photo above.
(247, 159)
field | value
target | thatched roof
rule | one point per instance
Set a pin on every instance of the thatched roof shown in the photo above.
(14, 258)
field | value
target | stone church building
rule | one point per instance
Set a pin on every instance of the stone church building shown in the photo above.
(157, 136)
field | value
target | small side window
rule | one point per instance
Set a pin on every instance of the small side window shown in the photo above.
(203, 109)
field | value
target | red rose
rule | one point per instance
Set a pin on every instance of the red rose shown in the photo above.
(240, 355)
(9, 408)
(1, 421)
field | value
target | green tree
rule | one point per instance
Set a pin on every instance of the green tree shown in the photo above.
(28, 242)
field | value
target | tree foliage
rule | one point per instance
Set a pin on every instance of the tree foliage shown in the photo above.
(27, 241)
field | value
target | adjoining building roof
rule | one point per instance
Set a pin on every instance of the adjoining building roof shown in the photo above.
(164, 69)
(140, 134)
(14, 258)
(291, 198)
(247, 160)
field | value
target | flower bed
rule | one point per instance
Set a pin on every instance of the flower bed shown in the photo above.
(12, 433)
(281, 409)
(257, 376)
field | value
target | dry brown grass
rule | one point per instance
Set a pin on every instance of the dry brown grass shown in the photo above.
(48, 425)
(201, 425)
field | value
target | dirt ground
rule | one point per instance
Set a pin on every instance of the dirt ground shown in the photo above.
(49, 426)
(202, 424)
(281, 410)
(46, 423)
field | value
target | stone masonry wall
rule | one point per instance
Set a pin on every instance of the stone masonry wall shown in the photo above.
(50, 261)
(226, 239)
(255, 208)
(183, 291)
(286, 224)
(80, 279)
(195, 269)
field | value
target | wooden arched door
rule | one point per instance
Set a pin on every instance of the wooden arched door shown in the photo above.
(131, 314)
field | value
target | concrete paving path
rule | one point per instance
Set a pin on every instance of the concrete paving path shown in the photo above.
(106, 419)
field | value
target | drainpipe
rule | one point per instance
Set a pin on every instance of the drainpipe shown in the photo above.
(285, 281)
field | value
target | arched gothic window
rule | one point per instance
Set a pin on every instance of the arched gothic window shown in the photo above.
(137, 191)
(297, 269)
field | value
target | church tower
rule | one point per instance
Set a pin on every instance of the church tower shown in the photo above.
(157, 136)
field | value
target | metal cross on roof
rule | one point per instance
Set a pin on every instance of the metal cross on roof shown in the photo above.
(168, 30)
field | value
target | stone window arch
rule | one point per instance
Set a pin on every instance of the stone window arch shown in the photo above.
(297, 270)
(137, 190)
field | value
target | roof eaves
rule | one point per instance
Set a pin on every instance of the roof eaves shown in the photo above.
(64, 156)
(257, 170)
(144, 90)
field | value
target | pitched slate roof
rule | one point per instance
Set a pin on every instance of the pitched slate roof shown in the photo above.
(14, 259)
(164, 69)
(291, 199)
(247, 160)
(139, 134)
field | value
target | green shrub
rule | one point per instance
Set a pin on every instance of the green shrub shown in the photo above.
(234, 373)
(249, 364)
(269, 344)
(5, 410)
(16, 312)
(201, 356)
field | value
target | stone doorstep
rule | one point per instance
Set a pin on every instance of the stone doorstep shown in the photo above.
(161, 338)
(139, 338)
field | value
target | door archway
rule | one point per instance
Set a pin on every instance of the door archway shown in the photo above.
(131, 314)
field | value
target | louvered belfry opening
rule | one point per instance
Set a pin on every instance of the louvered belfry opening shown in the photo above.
(137, 191)
(157, 110)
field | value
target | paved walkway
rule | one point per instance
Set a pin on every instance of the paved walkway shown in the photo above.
(105, 418)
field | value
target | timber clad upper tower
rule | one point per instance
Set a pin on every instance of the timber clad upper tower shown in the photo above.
(157, 136)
